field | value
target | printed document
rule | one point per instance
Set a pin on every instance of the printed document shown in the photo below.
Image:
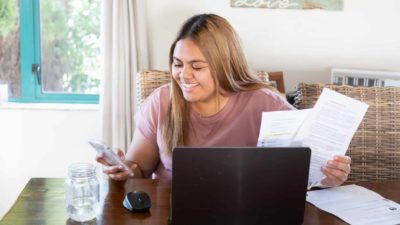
(327, 129)
(356, 205)
(279, 128)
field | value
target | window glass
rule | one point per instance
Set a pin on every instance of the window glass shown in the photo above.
(339, 80)
(360, 82)
(350, 81)
(70, 52)
(10, 69)
(371, 82)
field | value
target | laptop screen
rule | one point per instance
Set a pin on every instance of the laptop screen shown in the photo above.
(239, 185)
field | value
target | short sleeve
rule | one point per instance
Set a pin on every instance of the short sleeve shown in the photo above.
(148, 116)
(285, 105)
(276, 101)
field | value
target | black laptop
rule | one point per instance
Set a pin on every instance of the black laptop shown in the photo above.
(245, 186)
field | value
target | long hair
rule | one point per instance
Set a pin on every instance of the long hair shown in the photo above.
(220, 45)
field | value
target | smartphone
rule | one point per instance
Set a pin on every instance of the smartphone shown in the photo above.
(110, 156)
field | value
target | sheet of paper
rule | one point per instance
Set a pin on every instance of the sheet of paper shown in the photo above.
(329, 129)
(356, 205)
(278, 128)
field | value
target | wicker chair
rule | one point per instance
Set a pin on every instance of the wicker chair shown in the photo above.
(375, 147)
(148, 80)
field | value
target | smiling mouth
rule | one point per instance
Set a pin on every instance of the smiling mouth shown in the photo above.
(189, 85)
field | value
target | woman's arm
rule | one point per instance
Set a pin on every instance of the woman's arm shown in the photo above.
(142, 158)
(143, 153)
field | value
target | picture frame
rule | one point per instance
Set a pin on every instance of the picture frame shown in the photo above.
(331, 5)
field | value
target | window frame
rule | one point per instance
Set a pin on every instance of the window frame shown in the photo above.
(31, 89)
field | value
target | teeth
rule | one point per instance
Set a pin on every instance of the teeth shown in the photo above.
(189, 85)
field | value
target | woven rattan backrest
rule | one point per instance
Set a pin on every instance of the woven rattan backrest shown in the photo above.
(148, 80)
(375, 147)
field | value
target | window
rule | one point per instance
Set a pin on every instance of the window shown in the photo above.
(59, 54)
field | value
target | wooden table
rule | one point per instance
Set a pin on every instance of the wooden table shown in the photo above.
(43, 202)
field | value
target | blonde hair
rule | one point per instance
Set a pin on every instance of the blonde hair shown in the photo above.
(221, 47)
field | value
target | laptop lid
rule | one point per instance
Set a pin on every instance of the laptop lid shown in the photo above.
(239, 185)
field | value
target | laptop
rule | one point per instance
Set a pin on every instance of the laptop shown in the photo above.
(246, 186)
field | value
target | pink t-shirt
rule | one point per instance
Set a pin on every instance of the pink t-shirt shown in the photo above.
(237, 124)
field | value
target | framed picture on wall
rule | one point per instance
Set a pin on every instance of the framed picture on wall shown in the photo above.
(333, 5)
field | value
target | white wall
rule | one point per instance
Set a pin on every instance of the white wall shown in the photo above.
(304, 44)
(41, 141)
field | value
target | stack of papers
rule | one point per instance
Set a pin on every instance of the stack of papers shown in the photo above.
(327, 129)
(356, 205)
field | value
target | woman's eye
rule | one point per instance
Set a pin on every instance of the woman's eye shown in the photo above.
(177, 65)
(198, 67)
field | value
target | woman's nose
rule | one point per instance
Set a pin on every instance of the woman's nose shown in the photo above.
(186, 72)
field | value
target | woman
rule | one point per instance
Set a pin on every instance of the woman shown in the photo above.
(212, 100)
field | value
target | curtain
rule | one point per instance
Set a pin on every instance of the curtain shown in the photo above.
(124, 53)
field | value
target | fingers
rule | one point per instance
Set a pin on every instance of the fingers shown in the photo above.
(135, 170)
(117, 172)
(120, 176)
(342, 158)
(113, 169)
(334, 177)
(121, 154)
(341, 162)
(339, 165)
(100, 158)
(336, 171)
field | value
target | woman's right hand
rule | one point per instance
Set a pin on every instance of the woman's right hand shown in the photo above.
(117, 172)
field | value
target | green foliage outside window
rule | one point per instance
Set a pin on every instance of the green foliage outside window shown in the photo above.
(69, 43)
(8, 17)
(70, 46)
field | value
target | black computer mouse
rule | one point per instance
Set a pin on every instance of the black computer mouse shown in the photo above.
(137, 201)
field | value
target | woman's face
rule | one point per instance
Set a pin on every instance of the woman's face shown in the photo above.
(191, 71)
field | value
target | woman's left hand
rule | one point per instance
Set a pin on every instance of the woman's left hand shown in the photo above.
(336, 171)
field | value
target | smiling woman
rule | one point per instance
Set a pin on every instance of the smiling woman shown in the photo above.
(190, 70)
(212, 101)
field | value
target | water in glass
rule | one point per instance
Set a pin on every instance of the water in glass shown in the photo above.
(82, 192)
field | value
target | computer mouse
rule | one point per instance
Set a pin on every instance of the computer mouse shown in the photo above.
(137, 201)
